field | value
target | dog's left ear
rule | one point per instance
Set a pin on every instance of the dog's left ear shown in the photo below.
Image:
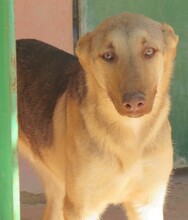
(83, 48)
(170, 38)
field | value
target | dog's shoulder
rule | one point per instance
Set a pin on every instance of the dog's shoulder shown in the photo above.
(43, 75)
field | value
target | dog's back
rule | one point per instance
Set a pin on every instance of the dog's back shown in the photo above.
(44, 73)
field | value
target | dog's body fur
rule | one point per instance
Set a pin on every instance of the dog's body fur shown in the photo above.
(89, 146)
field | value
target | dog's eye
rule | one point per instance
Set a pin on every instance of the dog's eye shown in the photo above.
(108, 56)
(149, 52)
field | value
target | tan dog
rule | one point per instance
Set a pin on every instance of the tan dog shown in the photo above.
(98, 133)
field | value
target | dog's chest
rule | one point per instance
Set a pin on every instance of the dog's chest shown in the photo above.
(124, 183)
(110, 177)
(115, 162)
(117, 186)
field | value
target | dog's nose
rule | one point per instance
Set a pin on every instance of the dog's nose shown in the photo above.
(134, 102)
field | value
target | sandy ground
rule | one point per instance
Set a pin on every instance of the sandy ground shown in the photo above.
(176, 207)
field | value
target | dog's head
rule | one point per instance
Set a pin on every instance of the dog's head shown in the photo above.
(131, 57)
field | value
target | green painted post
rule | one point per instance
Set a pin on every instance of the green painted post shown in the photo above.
(9, 182)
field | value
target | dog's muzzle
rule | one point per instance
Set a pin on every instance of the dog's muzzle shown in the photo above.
(134, 104)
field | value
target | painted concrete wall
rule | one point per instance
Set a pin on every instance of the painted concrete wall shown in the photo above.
(51, 22)
(46, 20)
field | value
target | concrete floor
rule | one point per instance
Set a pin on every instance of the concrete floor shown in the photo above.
(176, 206)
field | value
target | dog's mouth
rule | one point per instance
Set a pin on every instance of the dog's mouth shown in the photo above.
(134, 115)
(137, 114)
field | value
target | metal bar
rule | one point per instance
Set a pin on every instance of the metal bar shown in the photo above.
(9, 181)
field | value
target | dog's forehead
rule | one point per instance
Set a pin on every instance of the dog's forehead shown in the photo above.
(135, 36)
(126, 26)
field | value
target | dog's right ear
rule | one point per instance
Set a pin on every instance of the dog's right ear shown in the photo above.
(83, 48)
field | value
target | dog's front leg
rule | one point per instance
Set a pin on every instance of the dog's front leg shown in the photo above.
(151, 208)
